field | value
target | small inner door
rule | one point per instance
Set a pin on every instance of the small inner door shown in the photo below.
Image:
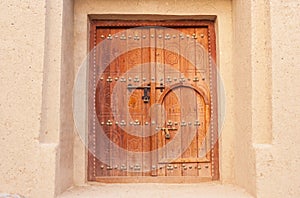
(152, 91)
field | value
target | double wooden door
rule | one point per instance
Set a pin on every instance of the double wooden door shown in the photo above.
(152, 101)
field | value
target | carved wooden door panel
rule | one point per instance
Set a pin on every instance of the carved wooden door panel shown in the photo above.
(152, 91)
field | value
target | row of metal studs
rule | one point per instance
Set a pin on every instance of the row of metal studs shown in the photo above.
(94, 104)
(137, 37)
(211, 104)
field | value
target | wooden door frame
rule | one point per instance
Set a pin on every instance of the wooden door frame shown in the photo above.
(210, 24)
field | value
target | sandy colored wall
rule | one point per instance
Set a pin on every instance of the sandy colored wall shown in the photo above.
(21, 53)
(278, 173)
(244, 163)
(220, 8)
(266, 44)
(36, 71)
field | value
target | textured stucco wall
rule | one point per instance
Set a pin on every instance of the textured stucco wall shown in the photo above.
(266, 60)
(36, 85)
(244, 166)
(220, 8)
(22, 29)
(278, 173)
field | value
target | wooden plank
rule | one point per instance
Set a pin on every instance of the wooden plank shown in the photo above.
(135, 104)
(102, 105)
(153, 99)
(145, 81)
(172, 101)
(188, 110)
(159, 80)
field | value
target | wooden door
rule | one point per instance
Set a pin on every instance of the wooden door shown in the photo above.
(152, 101)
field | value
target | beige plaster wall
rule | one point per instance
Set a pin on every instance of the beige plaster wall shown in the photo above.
(36, 86)
(278, 173)
(244, 162)
(266, 44)
(220, 8)
(22, 29)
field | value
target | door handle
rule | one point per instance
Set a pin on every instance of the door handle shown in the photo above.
(145, 97)
(166, 131)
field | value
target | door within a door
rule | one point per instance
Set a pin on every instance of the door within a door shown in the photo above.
(152, 101)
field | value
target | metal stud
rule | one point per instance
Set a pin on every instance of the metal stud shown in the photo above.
(123, 123)
(160, 36)
(123, 79)
(144, 36)
(182, 79)
(167, 37)
(123, 167)
(116, 78)
(197, 123)
(202, 35)
(108, 123)
(129, 79)
(102, 167)
(123, 37)
(101, 78)
(116, 36)
(102, 123)
(196, 79)
(146, 123)
(194, 36)
(137, 167)
(144, 79)
(129, 37)
(136, 37)
(153, 167)
(116, 123)
(109, 79)
(109, 37)
(183, 123)
(169, 79)
(152, 36)
(136, 122)
(102, 36)
(136, 79)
